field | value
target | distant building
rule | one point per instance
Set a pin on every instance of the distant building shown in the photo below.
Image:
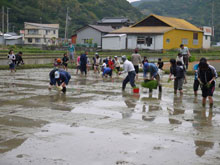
(92, 34)
(208, 33)
(114, 42)
(162, 33)
(115, 23)
(41, 33)
(13, 40)
(10, 39)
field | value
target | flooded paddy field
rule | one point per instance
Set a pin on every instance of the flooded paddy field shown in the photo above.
(95, 123)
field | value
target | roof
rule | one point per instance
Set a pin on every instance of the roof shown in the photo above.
(174, 22)
(114, 20)
(55, 26)
(104, 29)
(146, 29)
(114, 35)
(13, 37)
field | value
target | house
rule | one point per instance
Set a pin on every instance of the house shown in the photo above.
(40, 34)
(208, 33)
(92, 34)
(162, 33)
(115, 22)
(13, 40)
(114, 42)
(10, 39)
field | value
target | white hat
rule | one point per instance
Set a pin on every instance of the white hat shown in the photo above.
(57, 74)
(104, 65)
(115, 56)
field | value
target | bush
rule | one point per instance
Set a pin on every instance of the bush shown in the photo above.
(192, 58)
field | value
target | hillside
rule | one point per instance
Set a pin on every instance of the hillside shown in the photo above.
(198, 12)
(81, 12)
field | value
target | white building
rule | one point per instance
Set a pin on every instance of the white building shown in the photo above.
(92, 34)
(208, 33)
(41, 33)
(114, 42)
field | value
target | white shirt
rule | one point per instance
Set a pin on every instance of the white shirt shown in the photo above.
(11, 58)
(180, 59)
(184, 51)
(128, 66)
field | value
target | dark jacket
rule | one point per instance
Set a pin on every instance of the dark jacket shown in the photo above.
(206, 75)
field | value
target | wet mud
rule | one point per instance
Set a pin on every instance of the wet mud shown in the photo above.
(96, 123)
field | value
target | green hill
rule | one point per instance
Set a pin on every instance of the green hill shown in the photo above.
(81, 12)
(198, 12)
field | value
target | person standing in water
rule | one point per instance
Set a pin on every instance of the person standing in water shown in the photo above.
(128, 68)
(206, 77)
(136, 60)
(11, 60)
(186, 54)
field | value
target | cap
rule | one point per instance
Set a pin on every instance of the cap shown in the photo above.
(57, 74)
(96, 54)
(104, 65)
(123, 58)
(115, 56)
(58, 60)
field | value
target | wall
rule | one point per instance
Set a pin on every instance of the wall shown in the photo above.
(89, 33)
(114, 43)
(157, 42)
(14, 42)
(176, 36)
(206, 42)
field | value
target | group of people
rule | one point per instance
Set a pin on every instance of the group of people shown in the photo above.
(14, 60)
(205, 74)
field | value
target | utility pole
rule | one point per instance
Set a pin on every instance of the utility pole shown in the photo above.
(3, 20)
(8, 19)
(213, 7)
(66, 28)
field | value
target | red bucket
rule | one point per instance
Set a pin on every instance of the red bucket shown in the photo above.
(135, 90)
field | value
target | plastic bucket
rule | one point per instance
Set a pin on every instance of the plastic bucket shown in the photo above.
(135, 90)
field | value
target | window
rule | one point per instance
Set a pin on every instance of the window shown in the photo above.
(29, 40)
(33, 32)
(88, 41)
(47, 32)
(37, 40)
(54, 32)
(185, 41)
(168, 40)
(140, 40)
(149, 41)
(195, 39)
(206, 37)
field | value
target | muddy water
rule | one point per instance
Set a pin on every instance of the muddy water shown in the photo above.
(97, 123)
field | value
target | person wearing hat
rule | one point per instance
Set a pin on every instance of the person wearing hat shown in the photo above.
(129, 68)
(60, 78)
(153, 70)
(97, 63)
(83, 63)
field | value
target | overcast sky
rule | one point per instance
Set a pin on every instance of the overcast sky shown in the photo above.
(131, 0)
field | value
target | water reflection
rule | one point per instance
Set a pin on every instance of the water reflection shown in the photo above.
(202, 147)
(131, 102)
(202, 119)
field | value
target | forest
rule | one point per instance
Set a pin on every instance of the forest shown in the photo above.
(197, 12)
(81, 12)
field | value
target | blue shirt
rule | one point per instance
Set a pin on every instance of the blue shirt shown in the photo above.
(195, 68)
(64, 77)
(106, 71)
(71, 48)
(150, 67)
